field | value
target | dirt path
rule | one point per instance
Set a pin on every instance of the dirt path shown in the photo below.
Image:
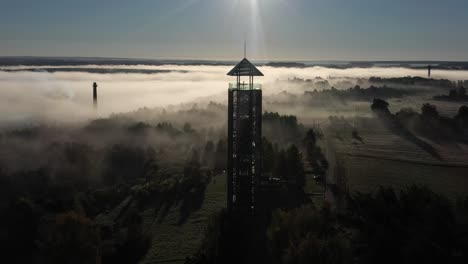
(330, 178)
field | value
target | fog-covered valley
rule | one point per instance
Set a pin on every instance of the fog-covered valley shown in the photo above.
(147, 168)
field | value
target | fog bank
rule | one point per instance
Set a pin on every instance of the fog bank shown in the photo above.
(27, 96)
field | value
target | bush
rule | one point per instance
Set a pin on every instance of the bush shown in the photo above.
(462, 116)
(18, 231)
(429, 111)
(415, 226)
(71, 238)
(379, 106)
(306, 235)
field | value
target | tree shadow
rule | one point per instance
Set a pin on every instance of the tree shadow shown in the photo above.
(356, 136)
(398, 129)
(192, 201)
(188, 195)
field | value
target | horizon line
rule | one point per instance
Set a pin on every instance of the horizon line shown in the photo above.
(228, 60)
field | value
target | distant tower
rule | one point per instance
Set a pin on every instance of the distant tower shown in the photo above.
(244, 139)
(95, 95)
(429, 71)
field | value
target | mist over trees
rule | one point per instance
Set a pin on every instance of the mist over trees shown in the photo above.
(82, 192)
(78, 192)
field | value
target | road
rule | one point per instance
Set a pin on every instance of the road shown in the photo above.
(335, 180)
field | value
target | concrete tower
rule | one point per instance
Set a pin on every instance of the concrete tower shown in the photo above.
(244, 139)
(95, 95)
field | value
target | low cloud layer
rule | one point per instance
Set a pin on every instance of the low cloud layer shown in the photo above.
(28, 96)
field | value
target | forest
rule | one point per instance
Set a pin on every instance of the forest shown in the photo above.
(76, 194)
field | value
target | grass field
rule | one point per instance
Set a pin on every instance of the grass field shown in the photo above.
(385, 159)
(448, 109)
(172, 242)
(367, 174)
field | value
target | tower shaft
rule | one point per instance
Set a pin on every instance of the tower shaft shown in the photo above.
(244, 147)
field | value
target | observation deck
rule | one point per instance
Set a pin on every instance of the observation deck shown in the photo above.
(245, 86)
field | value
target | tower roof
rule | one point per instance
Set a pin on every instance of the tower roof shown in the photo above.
(245, 68)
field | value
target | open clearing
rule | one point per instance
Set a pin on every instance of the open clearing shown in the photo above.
(382, 158)
(367, 174)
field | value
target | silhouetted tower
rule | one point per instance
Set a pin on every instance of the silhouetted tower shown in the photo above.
(429, 67)
(95, 95)
(244, 139)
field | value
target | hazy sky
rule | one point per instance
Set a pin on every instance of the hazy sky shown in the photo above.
(214, 29)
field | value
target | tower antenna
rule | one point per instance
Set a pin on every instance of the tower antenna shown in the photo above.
(245, 45)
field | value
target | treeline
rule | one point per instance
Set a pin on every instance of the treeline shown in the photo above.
(332, 97)
(454, 95)
(357, 93)
(286, 64)
(415, 225)
(414, 81)
(282, 129)
(428, 123)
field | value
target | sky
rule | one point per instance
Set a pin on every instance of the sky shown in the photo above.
(216, 29)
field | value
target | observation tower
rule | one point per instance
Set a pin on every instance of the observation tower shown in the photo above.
(244, 164)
